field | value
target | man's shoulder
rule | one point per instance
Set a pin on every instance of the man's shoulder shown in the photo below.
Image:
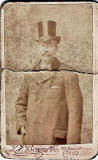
(67, 75)
(63, 66)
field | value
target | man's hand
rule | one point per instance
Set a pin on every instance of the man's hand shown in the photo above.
(23, 132)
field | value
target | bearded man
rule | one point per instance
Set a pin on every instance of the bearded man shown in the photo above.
(50, 104)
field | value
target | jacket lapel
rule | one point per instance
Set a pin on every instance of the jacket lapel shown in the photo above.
(43, 76)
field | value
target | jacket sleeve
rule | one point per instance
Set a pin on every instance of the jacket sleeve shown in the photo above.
(21, 106)
(75, 108)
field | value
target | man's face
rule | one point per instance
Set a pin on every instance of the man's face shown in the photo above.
(47, 48)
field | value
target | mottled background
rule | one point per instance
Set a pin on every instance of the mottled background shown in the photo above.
(74, 25)
(12, 85)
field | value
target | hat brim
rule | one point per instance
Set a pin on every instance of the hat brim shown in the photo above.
(57, 39)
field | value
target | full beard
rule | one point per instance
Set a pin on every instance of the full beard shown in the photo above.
(49, 63)
(45, 65)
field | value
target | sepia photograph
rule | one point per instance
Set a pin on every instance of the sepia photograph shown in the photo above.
(47, 79)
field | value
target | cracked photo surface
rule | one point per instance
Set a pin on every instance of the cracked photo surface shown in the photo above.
(47, 79)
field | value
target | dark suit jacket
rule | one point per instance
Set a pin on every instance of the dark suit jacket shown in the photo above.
(50, 107)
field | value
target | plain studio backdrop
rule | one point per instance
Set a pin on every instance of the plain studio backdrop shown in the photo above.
(75, 26)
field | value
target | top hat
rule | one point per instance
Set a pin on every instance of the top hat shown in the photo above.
(47, 31)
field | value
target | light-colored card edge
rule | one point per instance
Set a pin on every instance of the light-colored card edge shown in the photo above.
(4, 147)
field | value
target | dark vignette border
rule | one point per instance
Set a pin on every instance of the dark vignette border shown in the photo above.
(15, 1)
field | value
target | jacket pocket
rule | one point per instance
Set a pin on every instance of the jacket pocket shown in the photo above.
(58, 133)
